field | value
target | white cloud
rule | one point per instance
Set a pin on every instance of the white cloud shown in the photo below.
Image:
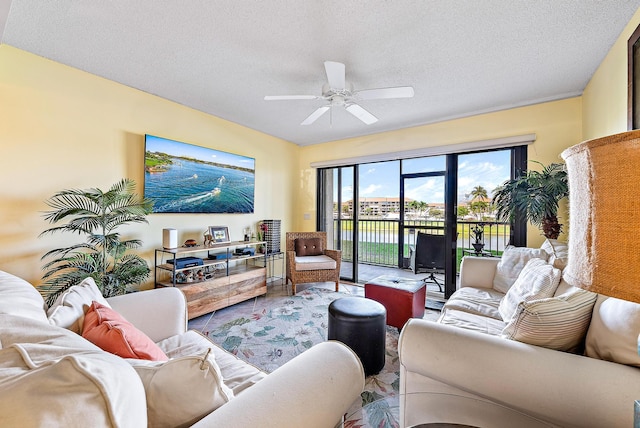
(371, 189)
(370, 171)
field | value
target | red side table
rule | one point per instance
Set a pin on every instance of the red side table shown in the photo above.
(403, 298)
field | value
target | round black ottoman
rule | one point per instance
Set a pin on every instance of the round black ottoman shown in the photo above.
(360, 323)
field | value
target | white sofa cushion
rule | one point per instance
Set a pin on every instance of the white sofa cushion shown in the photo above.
(183, 390)
(537, 280)
(481, 301)
(20, 298)
(511, 263)
(613, 333)
(556, 323)
(558, 252)
(236, 374)
(39, 361)
(471, 321)
(314, 262)
(69, 308)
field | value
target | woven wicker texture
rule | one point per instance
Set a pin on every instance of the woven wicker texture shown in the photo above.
(604, 214)
(305, 276)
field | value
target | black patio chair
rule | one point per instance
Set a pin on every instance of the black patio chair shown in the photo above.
(428, 256)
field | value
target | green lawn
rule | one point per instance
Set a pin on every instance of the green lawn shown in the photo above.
(386, 254)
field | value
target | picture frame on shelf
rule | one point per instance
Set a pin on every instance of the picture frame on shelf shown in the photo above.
(219, 234)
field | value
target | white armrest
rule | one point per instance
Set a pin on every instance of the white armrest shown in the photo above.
(313, 390)
(159, 313)
(478, 272)
(565, 389)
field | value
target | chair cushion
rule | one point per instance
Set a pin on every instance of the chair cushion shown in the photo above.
(315, 263)
(558, 323)
(538, 280)
(111, 332)
(308, 247)
(183, 390)
(69, 308)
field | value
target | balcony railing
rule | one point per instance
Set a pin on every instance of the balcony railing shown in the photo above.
(378, 239)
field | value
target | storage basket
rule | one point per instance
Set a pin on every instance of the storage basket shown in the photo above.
(272, 235)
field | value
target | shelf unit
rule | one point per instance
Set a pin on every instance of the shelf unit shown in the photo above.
(217, 283)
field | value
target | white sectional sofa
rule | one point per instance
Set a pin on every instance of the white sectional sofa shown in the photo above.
(565, 360)
(51, 376)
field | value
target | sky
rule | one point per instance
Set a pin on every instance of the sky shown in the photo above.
(488, 169)
(176, 148)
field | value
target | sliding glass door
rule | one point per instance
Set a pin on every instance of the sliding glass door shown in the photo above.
(374, 211)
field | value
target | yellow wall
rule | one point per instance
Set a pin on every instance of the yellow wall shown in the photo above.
(63, 128)
(605, 97)
(557, 126)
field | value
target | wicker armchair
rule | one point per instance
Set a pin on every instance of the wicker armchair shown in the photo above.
(297, 276)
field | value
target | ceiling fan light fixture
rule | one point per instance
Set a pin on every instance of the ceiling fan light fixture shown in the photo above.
(340, 94)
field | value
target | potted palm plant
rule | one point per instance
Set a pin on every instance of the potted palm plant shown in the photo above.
(103, 255)
(535, 194)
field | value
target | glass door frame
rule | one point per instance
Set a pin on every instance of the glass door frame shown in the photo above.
(450, 175)
(321, 218)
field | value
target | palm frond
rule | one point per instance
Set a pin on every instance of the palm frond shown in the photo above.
(103, 255)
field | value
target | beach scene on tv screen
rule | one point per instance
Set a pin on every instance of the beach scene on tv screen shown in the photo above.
(185, 178)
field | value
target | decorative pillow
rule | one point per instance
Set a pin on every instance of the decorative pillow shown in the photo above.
(558, 252)
(308, 247)
(538, 280)
(107, 329)
(558, 323)
(69, 308)
(181, 391)
(511, 264)
(613, 334)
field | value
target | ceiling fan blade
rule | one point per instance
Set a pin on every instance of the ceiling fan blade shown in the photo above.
(381, 93)
(335, 74)
(361, 114)
(290, 97)
(315, 115)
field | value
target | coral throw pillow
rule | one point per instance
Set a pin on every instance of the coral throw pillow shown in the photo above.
(108, 330)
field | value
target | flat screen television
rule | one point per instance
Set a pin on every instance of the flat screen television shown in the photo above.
(184, 178)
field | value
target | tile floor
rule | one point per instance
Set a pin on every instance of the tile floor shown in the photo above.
(276, 288)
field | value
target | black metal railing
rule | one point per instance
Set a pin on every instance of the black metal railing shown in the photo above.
(378, 238)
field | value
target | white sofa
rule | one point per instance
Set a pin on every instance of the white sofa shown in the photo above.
(51, 376)
(464, 369)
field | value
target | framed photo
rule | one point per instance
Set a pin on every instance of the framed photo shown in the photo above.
(633, 84)
(219, 234)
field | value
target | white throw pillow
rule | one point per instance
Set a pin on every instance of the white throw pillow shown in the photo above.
(558, 323)
(538, 280)
(183, 390)
(558, 252)
(69, 308)
(511, 264)
(613, 333)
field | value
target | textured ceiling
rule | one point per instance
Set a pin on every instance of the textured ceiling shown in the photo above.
(463, 57)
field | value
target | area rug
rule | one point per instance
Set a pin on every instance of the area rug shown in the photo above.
(268, 332)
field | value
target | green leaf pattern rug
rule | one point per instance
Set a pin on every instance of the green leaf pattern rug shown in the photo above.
(268, 332)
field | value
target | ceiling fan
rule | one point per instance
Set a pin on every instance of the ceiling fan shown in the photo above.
(338, 94)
